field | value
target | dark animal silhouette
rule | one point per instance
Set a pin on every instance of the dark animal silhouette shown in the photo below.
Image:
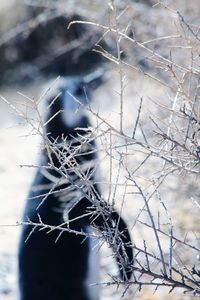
(55, 266)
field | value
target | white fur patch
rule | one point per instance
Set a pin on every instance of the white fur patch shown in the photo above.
(73, 110)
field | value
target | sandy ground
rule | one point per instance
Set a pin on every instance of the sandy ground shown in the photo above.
(15, 150)
(18, 149)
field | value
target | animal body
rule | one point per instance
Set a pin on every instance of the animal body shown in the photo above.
(55, 265)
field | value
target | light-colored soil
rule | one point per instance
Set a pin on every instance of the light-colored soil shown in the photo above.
(17, 149)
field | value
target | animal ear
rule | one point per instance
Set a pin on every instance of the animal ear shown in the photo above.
(117, 235)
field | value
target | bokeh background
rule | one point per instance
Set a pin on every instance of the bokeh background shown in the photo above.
(35, 48)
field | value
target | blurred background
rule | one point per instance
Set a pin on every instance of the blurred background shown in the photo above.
(36, 46)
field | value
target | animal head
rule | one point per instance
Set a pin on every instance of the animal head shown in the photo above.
(66, 102)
